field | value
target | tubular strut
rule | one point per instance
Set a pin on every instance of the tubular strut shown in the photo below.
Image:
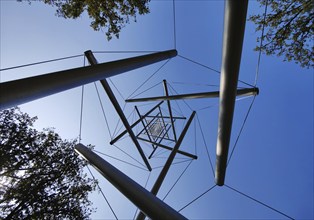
(166, 167)
(240, 92)
(145, 128)
(148, 203)
(134, 124)
(234, 25)
(92, 60)
(170, 111)
(16, 92)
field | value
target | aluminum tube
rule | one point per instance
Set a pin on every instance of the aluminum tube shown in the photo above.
(215, 94)
(162, 138)
(148, 125)
(92, 60)
(170, 111)
(134, 124)
(139, 114)
(124, 121)
(169, 148)
(174, 117)
(168, 163)
(234, 25)
(173, 153)
(163, 120)
(20, 91)
(152, 206)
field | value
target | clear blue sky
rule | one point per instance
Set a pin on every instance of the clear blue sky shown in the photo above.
(273, 160)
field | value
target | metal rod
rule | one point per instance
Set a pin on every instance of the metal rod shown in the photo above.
(163, 120)
(234, 25)
(134, 124)
(153, 130)
(139, 114)
(168, 163)
(20, 91)
(148, 124)
(161, 139)
(148, 203)
(173, 153)
(169, 148)
(152, 153)
(92, 60)
(174, 117)
(170, 110)
(215, 94)
(165, 138)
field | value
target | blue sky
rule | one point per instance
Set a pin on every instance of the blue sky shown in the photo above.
(273, 159)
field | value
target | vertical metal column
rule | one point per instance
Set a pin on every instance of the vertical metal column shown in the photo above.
(92, 60)
(170, 111)
(152, 206)
(20, 91)
(234, 25)
(168, 163)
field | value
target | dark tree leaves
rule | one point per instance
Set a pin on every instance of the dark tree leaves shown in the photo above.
(289, 30)
(41, 177)
(108, 15)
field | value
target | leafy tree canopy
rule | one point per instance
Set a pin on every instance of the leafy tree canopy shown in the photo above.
(108, 15)
(289, 30)
(41, 177)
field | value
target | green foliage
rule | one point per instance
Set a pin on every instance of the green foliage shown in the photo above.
(289, 30)
(108, 15)
(41, 177)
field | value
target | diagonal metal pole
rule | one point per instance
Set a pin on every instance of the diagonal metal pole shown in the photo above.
(162, 137)
(174, 117)
(234, 25)
(163, 120)
(16, 92)
(148, 125)
(92, 60)
(169, 148)
(173, 153)
(168, 163)
(134, 124)
(139, 114)
(148, 203)
(170, 110)
(215, 94)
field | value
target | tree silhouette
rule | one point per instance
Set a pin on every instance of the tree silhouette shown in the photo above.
(289, 30)
(108, 15)
(41, 177)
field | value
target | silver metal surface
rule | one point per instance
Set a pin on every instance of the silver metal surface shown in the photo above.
(148, 203)
(215, 94)
(169, 148)
(234, 25)
(92, 60)
(170, 111)
(134, 124)
(16, 92)
(168, 163)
